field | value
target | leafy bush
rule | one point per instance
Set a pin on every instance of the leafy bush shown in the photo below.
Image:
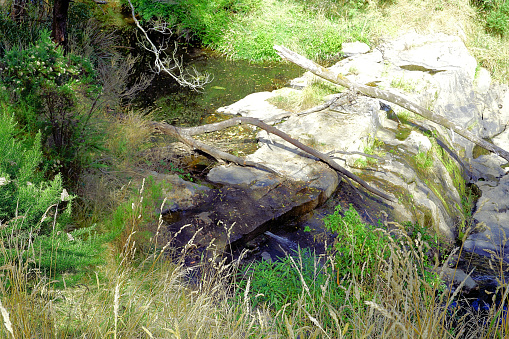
(359, 246)
(34, 211)
(53, 93)
(23, 189)
(25, 31)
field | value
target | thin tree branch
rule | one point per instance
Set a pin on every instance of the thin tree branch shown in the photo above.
(162, 62)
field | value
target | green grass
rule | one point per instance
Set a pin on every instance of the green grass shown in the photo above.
(424, 161)
(373, 147)
(375, 285)
(289, 23)
(403, 84)
(311, 96)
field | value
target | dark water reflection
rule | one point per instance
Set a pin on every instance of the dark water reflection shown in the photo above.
(232, 81)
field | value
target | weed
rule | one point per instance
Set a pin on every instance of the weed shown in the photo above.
(403, 84)
(424, 160)
(181, 173)
(358, 245)
(373, 147)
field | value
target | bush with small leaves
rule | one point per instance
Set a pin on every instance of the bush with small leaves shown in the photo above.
(53, 93)
(34, 211)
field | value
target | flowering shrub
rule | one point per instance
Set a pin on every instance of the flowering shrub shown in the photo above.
(43, 66)
(53, 93)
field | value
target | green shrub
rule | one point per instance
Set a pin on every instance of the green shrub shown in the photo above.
(359, 246)
(53, 93)
(35, 211)
(23, 189)
(496, 15)
(497, 20)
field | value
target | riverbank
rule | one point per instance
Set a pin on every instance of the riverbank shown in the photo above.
(145, 288)
(316, 29)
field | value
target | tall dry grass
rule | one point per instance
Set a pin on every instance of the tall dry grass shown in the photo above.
(158, 296)
(132, 296)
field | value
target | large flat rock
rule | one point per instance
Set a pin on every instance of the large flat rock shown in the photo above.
(435, 71)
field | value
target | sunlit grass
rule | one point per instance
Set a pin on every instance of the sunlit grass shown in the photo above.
(157, 295)
(318, 33)
(289, 23)
(312, 95)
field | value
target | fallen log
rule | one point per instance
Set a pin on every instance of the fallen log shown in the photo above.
(375, 92)
(185, 135)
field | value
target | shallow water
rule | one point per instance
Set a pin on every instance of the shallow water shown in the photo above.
(231, 81)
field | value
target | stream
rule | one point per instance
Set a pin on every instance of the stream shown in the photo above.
(232, 81)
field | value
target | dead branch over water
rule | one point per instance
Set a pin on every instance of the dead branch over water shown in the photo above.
(185, 135)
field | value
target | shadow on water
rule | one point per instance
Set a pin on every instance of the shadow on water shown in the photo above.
(232, 80)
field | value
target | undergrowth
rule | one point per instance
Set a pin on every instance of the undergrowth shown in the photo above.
(386, 289)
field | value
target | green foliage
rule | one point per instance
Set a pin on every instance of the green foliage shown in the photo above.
(34, 211)
(311, 96)
(138, 208)
(496, 14)
(43, 67)
(204, 19)
(373, 147)
(53, 93)
(359, 246)
(273, 283)
(497, 20)
(279, 284)
(331, 8)
(23, 191)
(249, 29)
(180, 172)
(22, 33)
(253, 36)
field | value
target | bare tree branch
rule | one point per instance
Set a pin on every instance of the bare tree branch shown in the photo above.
(374, 92)
(184, 135)
(171, 65)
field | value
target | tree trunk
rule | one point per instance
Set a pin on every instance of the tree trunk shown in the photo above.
(374, 92)
(59, 25)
